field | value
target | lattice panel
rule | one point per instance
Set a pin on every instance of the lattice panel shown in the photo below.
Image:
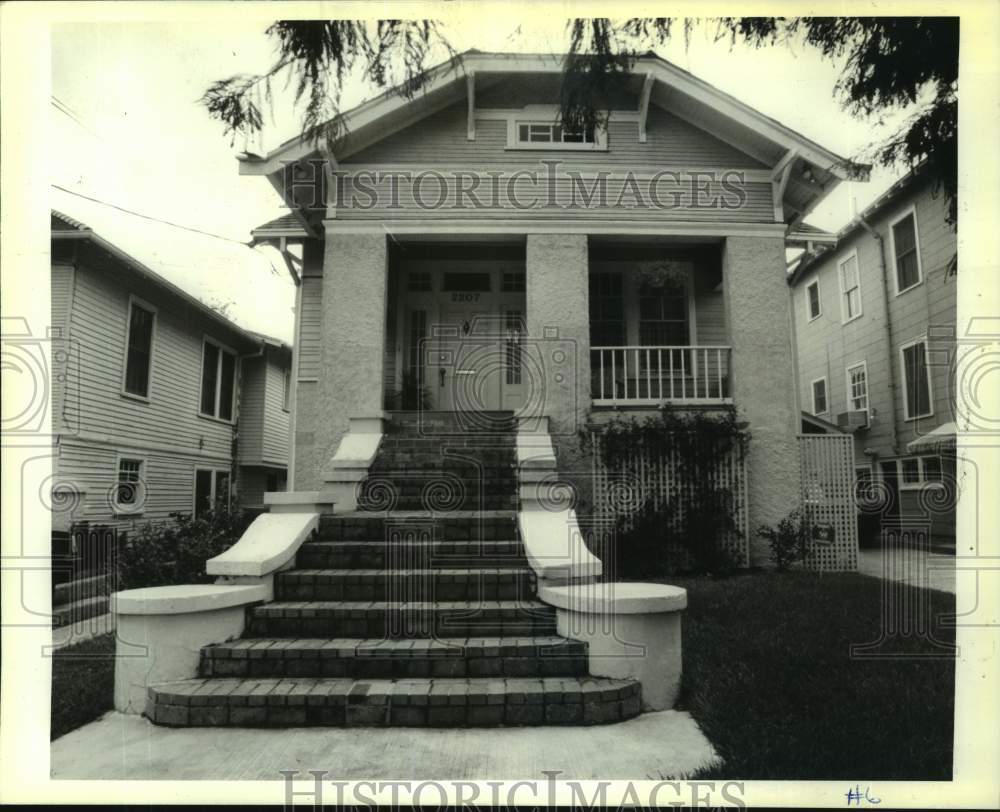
(826, 471)
(619, 492)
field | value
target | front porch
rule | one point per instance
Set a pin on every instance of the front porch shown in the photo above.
(457, 334)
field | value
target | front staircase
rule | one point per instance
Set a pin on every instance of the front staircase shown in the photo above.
(418, 609)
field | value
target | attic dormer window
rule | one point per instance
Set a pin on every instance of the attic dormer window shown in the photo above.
(533, 133)
(552, 134)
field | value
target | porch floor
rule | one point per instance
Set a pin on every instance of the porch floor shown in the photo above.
(668, 744)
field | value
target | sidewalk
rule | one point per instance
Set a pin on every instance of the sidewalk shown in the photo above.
(910, 566)
(668, 744)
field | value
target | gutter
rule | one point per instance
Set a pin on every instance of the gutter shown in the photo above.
(893, 396)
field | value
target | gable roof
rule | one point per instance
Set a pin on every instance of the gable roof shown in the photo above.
(64, 227)
(671, 88)
(909, 182)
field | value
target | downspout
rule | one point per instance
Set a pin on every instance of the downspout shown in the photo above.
(890, 345)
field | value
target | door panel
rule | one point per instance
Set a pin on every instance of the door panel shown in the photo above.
(469, 360)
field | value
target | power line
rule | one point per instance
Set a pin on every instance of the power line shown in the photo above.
(149, 217)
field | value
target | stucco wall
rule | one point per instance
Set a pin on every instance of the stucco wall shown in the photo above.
(559, 338)
(760, 333)
(349, 375)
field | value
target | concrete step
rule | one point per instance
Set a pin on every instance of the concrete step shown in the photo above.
(397, 659)
(414, 554)
(395, 619)
(421, 585)
(68, 613)
(454, 702)
(486, 525)
(71, 591)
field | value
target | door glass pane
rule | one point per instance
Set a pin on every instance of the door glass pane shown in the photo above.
(466, 281)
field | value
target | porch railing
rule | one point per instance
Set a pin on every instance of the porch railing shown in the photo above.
(648, 376)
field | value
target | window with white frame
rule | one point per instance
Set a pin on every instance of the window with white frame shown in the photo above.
(916, 380)
(542, 129)
(812, 300)
(857, 387)
(539, 133)
(129, 487)
(918, 472)
(906, 252)
(850, 287)
(819, 396)
(211, 490)
(218, 380)
(139, 350)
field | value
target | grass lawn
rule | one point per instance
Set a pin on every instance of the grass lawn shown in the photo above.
(83, 683)
(769, 677)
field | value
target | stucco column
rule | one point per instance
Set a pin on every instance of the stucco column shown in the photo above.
(352, 339)
(558, 320)
(763, 377)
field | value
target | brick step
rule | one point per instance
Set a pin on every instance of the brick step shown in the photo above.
(446, 702)
(434, 460)
(395, 619)
(451, 526)
(416, 479)
(397, 659)
(378, 503)
(377, 554)
(433, 420)
(420, 585)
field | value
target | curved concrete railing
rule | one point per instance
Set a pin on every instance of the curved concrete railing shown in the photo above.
(553, 543)
(268, 545)
(162, 629)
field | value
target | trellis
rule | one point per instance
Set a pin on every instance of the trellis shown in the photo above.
(657, 478)
(826, 474)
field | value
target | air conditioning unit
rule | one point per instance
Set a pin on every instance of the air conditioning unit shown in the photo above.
(852, 421)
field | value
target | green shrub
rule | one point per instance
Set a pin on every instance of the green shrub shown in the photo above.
(694, 527)
(789, 541)
(175, 552)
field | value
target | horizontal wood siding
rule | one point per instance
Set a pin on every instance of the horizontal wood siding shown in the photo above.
(168, 481)
(442, 138)
(310, 327)
(437, 196)
(170, 418)
(826, 347)
(274, 438)
(252, 397)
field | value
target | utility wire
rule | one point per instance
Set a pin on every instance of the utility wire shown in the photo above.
(149, 217)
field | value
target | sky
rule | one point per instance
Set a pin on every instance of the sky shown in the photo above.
(130, 132)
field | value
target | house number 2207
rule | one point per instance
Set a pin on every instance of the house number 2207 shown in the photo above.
(465, 297)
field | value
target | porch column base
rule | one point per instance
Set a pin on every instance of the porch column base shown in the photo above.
(354, 456)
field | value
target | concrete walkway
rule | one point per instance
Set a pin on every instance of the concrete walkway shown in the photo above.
(910, 566)
(667, 744)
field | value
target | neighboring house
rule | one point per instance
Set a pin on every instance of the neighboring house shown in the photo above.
(473, 247)
(160, 404)
(875, 332)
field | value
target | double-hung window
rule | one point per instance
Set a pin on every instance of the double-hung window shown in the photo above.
(916, 380)
(211, 490)
(850, 288)
(906, 252)
(857, 387)
(819, 396)
(139, 349)
(812, 300)
(218, 380)
(129, 492)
